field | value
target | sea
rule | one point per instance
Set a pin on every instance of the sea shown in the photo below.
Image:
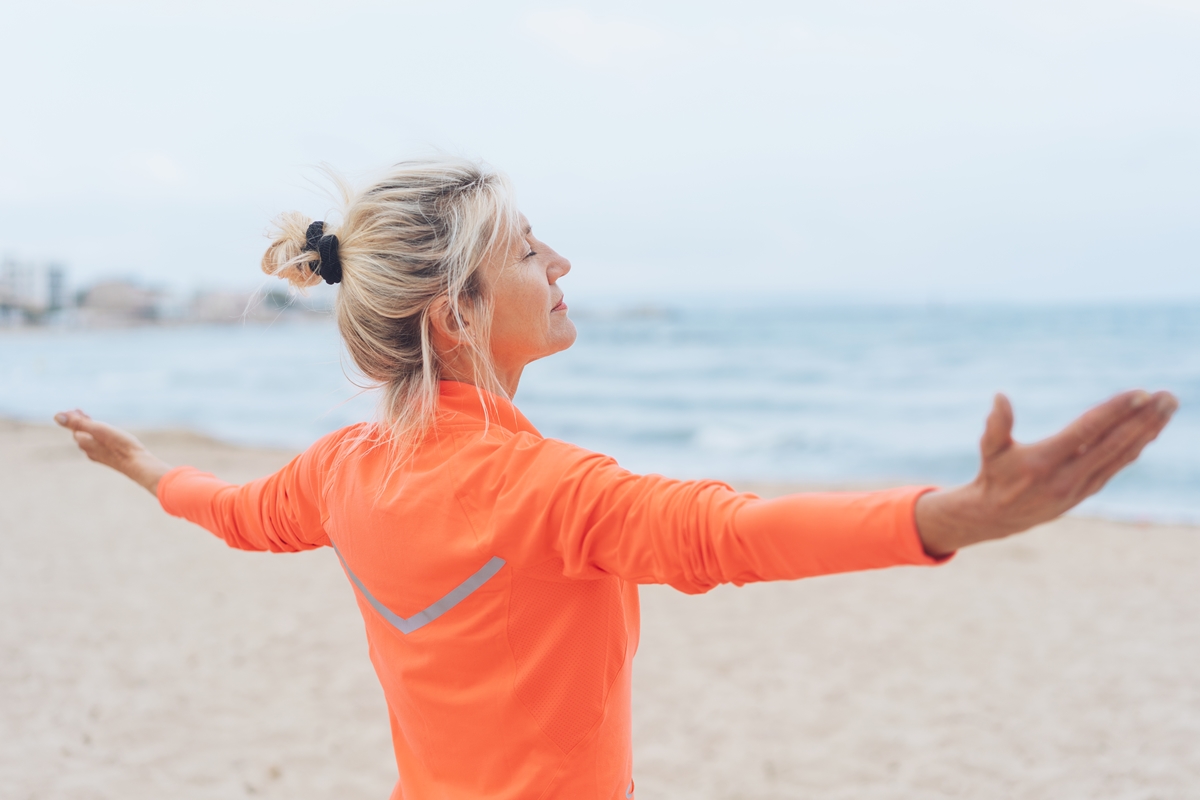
(819, 395)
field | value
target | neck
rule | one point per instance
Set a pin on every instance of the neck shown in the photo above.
(461, 370)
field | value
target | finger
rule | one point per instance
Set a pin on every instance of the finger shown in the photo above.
(1124, 444)
(74, 420)
(1101, 479)
(1082, 434)
(97, 451)
(88, 444)
(104, 434)
(1126, 441)
(997, 434)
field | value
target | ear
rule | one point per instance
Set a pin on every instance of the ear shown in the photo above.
(446, 330)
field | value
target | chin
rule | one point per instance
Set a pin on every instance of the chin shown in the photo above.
(564, 335)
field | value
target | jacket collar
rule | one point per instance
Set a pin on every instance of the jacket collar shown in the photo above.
(461, 404)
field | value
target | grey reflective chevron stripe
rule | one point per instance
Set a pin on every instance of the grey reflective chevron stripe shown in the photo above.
(428, 615)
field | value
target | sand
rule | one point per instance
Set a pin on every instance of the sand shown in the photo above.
(141, 658)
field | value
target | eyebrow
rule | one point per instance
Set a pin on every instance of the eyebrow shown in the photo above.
(528, 229)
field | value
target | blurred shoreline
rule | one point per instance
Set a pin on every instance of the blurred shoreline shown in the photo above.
(182, 440)
(39, 295)
(812, 396)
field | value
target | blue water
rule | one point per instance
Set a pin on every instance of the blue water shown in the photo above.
(817, 394)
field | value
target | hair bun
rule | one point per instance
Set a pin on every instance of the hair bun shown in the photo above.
(288, 255)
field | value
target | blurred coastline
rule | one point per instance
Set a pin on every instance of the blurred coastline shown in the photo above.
(39, 294)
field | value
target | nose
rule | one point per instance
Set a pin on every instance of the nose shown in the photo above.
(559, 267)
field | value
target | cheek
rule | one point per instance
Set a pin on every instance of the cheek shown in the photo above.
(519, 316)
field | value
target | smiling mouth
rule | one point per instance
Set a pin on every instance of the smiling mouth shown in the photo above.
(562, 306)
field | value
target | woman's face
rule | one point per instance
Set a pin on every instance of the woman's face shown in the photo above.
(529, 315)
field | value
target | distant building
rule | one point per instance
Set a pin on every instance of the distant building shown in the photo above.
(239, 306)
(221, 305)
(37, 293)
(118, 302)
(31, 290)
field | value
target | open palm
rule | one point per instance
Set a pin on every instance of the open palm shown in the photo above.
(1022, 485)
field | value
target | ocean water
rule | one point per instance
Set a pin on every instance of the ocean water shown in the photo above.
(826, 395)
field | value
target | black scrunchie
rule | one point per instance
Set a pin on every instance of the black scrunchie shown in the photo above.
(329, 263)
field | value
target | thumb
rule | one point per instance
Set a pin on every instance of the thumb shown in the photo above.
(997, 435)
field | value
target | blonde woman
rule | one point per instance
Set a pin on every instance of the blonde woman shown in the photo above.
(497, 570)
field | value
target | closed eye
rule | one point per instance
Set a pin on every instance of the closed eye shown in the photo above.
(530, 254)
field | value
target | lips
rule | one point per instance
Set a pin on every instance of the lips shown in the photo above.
(562, 305)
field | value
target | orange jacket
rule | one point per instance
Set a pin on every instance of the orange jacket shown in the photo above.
(497, 574)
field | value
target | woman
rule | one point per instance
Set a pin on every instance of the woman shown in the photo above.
(496, 570)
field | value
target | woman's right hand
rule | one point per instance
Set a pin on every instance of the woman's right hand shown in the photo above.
(114, 448)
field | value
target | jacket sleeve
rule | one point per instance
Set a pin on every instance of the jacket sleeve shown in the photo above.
(283, 512)
(695, 535)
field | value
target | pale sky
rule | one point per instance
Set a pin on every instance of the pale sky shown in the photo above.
(939, 150)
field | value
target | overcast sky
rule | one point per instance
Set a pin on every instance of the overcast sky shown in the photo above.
(945, 151)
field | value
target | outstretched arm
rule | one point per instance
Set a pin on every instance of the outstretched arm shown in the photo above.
(281, 512)
(1022, 485)
(115, 448)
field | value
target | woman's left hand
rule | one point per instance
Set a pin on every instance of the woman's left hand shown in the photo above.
(1021, 485)
(114, 448)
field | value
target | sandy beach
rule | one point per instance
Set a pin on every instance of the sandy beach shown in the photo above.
(141, 658)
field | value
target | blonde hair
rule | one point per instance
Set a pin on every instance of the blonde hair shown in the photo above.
(420, 233)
